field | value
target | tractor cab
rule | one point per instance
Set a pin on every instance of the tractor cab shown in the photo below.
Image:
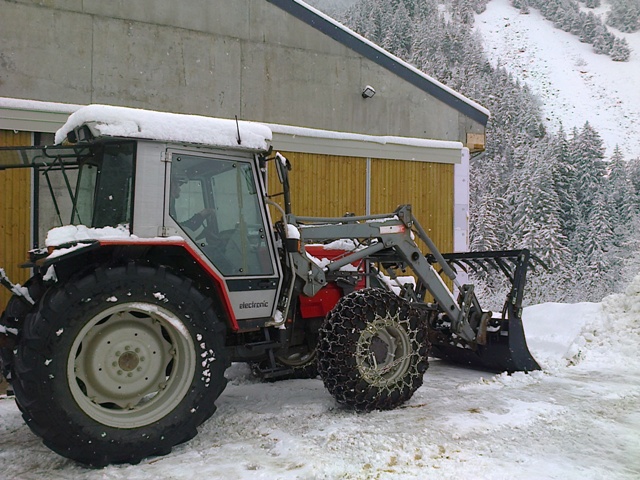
(165, 194)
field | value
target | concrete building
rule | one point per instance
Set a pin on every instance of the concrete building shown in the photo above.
(280, 62)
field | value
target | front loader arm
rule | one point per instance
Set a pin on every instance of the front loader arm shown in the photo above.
(378, 233)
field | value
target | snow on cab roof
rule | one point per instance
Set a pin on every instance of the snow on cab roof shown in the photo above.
(170, 127)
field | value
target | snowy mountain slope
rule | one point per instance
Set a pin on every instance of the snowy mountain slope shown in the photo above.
(573, 83)
(577, 419)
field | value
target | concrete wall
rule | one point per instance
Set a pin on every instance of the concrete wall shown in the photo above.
(213, 57)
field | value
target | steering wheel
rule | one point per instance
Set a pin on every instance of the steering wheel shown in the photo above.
(209, 230)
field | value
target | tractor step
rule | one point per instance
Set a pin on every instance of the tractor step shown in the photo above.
(275, 373)
(263, 346)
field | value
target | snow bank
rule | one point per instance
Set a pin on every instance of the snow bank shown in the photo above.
(171, 127)
(551, 329)
(612, 339)
(592, 335)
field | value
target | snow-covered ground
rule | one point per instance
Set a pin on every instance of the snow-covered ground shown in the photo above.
(574, 84)
(579, 418)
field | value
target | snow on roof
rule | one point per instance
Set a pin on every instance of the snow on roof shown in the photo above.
(120, 115)
(171, 127)
(37, 105)
(389, 55)
(380, 139)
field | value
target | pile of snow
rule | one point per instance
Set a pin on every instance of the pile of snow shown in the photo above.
(587, 334)
(552, 328)
(613, 338)
(574, 84)
(171, 127)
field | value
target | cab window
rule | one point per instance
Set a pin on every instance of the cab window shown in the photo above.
(215, 202)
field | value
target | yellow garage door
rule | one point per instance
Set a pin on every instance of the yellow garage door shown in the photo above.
(428, 187)
(324, 185)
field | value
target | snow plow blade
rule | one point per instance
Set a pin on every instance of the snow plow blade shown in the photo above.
(500, 343)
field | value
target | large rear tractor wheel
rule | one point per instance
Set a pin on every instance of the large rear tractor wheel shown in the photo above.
(12, 320)
(120, 365)
(372, 351)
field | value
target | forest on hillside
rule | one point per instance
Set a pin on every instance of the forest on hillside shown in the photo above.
(555, 193)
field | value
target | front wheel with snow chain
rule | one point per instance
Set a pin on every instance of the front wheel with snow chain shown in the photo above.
(372, 350)
(120, 365)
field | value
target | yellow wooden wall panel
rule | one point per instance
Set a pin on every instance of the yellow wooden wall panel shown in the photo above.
(15, 215)
(324, 185)
(428, 187)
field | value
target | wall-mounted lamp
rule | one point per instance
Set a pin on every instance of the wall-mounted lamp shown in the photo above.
(368, 92)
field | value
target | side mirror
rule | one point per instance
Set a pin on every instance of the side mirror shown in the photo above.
(283, 167)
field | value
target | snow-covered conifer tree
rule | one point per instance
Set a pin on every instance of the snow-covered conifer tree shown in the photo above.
(601, 262)
(537, 214)
(563, 178)
(399, 35)
(624, 15)
(589, 29)
(587, 151)
(620, 52)
(603, 41)
(621, 192)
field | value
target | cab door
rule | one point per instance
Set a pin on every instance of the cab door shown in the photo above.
(216, 200)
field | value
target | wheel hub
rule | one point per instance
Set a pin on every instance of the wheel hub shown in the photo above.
(380, 351)
(383, 351)
(128, 361)
(131, 364)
